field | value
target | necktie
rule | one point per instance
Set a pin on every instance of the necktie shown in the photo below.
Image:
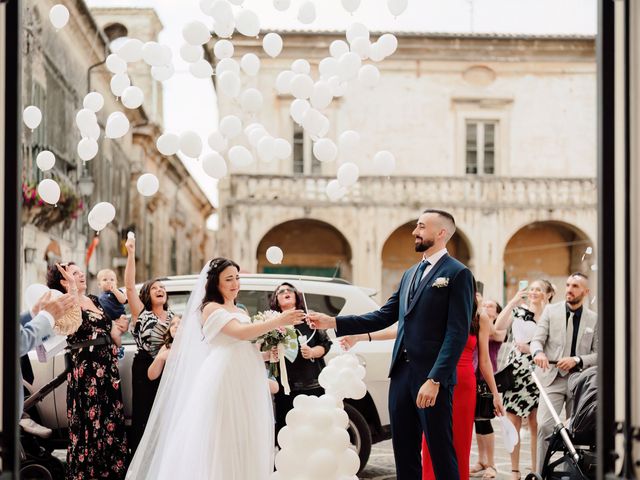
(569, 339)
(417, 278)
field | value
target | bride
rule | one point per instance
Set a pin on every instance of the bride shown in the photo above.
(212, 417)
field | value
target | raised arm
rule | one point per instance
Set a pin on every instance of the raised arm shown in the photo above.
(505, 318)
(135, 304)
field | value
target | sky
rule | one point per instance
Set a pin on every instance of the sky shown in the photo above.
(190, 104)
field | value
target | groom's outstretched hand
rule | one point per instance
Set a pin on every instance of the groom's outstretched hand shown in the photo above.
(321, 321)
(427, 394)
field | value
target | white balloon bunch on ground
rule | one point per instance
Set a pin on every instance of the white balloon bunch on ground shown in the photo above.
(315, 443)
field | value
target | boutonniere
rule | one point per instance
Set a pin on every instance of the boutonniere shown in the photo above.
(441, 282)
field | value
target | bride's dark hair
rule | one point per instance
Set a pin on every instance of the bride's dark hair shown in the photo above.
(211, 291)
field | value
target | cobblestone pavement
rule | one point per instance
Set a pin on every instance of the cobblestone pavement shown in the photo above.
(382, 467)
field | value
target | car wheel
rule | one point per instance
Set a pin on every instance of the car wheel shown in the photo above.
(41, 470)
(359, 434)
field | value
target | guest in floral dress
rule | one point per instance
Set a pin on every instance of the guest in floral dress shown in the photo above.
(95, 412)
(151, 318)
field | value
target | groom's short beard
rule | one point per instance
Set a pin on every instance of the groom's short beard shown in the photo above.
(424, 245)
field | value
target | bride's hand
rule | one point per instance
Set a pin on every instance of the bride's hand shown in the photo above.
(290, 317)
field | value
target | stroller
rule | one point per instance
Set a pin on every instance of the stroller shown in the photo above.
(574, 462)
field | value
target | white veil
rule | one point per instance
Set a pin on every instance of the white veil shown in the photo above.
(188, 352)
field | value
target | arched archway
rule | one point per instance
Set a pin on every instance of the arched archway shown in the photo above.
(550, 250)
(398, 254)
(310, 247)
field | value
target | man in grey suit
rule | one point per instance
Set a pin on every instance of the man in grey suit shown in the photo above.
(565, 342)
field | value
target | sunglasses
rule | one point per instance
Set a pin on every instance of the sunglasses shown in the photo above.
(285, 290)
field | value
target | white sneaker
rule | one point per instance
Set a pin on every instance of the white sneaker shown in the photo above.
(29, 426)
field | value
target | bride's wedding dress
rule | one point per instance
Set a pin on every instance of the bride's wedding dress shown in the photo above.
(221, 427)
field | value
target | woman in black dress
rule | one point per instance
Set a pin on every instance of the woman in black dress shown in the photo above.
(304, 370)
(95, 412)
(151, 318)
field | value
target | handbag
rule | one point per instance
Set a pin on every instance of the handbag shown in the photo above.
(505, 378)
(484, 402)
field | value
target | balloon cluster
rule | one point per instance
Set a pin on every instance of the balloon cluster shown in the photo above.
(315, 443)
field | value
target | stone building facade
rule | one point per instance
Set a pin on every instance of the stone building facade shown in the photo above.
(497, 129)
(59, 69)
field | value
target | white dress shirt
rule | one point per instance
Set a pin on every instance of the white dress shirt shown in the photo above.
(433, 259)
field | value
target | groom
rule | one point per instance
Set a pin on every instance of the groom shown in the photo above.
(433, 307)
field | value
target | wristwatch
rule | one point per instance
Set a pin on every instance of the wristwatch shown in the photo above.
(578, 361)
(433, 381)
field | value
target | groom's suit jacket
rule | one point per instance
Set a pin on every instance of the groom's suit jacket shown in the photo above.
(433, 327)
(554, 335)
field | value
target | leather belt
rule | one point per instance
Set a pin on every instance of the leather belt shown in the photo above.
(104, 340)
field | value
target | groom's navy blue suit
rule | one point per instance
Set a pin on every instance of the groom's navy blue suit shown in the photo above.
(432, 332)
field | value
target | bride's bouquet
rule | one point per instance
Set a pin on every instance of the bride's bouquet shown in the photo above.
(284, 339)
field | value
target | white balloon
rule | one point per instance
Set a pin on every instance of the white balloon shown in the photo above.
(255, 135)
(357, 30)
(32, 116)
(282, 148)
(33, 293)
(281, 5)
(85, 118)
(115, 64)
(237, 2)
(376, 52)
(49, 191)
(214, 165)
(223, 49)
(397, 7)
(132, 97)
(240, 157)
(388, 43)
(349, 462)
(224, 29)
(196, 33)
(301, 66)
(307, 13)
(272, 44)
(117, 125)
(217, 142)
(92, 131)
(350, 6)
(206, 6)
(96, 225)
(384, 162)
(349, 64)
(275, 255)
(163, 72)
(248, 23)
(45, 160)
(153, 54)
(147, 184)
(368, 76)
(119, 82)
(229, 84)
(190, 144)
(298, 109)
(191, 53)
(250, 64)
(315, 123)
(349, 142)
(348, 174)
(168, 144)
(283, 82)
(301, 86)
(361, 46)
(230, 126)
(87, 149)
(201, 69)
(131, 50)
(221, 11)
(103, 212)
(251, 100)
(321, 96)
(94, 101)
(328, 67)
(338, 87)
(227, 65)
(266, 148)
(337, 48)
(59, 16)
(165, 54)
(334, 191)
(325, 150)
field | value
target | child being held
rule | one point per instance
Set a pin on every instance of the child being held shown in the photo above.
(157, 366)
(111, 299)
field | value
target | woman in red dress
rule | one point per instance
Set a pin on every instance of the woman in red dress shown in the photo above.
(464, 393)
